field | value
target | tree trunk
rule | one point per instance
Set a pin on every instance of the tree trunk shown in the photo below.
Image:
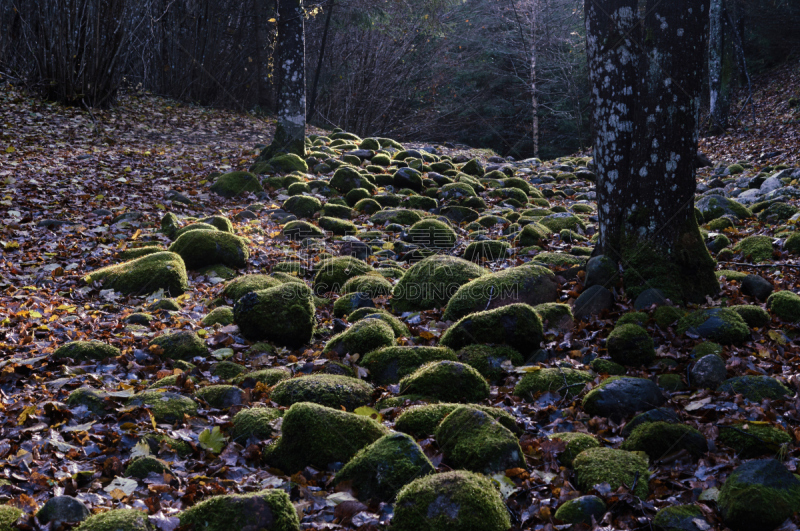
(291, 129)
(721, 67)
(646, 80)
(534, 99)
(311, 107)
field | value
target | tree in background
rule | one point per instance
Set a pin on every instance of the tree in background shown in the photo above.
(647, 79)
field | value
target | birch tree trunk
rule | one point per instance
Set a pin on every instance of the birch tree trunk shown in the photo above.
(534, 98)
(646, 77)
(718, 106)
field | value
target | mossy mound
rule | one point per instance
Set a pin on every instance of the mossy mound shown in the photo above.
(169, 381)
(117, 520)
(300, 230)
(720, 325)
(758, 248)
(555, 315)
(431, 282)
(347, 303)
(333, 210)
(241, 286)
(637, 318)
(268, 377)
(533, 234)
(283, 315)
(729, 274)
(560, 259)
(658, 439)
(516, 325)
(302, 206)
(473, 440)
(792, 243)
(138, 252)
(576, 443)
(399, 329)
(170, 305)
(183, 345)
(603, 366)
(755, 388)
(489, 360)
(565, 381)
(421, 421)
(158, 271)
(373, 284)
(529, 284)
(332, 273)
(615, 467)
(620, 396)
(329, 390)
(680, 518)
(142, 466)
(716, 206)
(92, 399)
(399, 216)
(450, 501)
(666, 315)
(193, 227)
(254, 422)
(56, 511)
(449, 381)
(221, 315)
(390, 364)
(581, 510)
(269, 510)
(488, 250)
(363, 337)
(165, 406)
(220, 222)
(314, 435)
(338, 227)
(754, 316)
(221, 396)
(433, 234)
(753, 439)
(785, 304)
(381, 469)
(86, 351)
(288, 163)
(203, 248)
(630, 344)
(236, 182)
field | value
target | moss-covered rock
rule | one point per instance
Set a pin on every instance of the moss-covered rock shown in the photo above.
(347, 178)
(138, 252)
(92, 399)
(452, 501)
(221, 396)
(268, 377)
(753, 439)
(381, 469)
(615, 467)
(630, 344)
(164, 270)
(755, 388)
(204, 248)
(325, 389)
(399, 329)
(268, 510)
(720, 325)
(489, 360)
(283, 315)
(431, 282)
(165, 406)
(618, 397)
(338, 227)
(488, 250)
(680, 518)
(57, 511)
(222, 315)
(332, 273)
(392, 215)
(302, 206)
(473, 440)
(581, 510)
(516, 325)
(117, 520)
(533, 234)
(566, 381)
(716, 206)
(86, 351)
(785, 304)
(227, 370)
(236, 182)
(664, 316)
(603, 366)
(241, 286)
(182, 345)
(449, 381)
(576, 443)
(389, 364)
(194, 227)
(254, 422)
(421, 421)
(658, 439)
(347, 303)
(758, 248)
(759, 494)
(792, 243)
(754, 316)
(363, 337)
(432, 233)
(142, 466)
(373, 284)
(300, 230)
(315, 435)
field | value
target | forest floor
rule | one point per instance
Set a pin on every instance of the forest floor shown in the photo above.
(67, 174)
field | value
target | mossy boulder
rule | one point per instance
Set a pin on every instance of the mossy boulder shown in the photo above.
(431, 282)
(268, 377)
(222, 315)
(720, 325)
(347, 303)
(117, 520)
(529, 284)
(165, 406)
(392, 215)
(785, 304)
(142, 466)
(332, 273)
(333, 210)
(267, 510)
(86, 351)
(399, 329)
(630, 344)
(227, 370)
(158, 271)
(302, 206)
(373, 284)
(336, 226)
(451, 501)
(489, 360)
(759, 494)
(407, 178)
(487, 250)
(563, 380)
(283, 315)
(755, 388)
(381, 469)
(576, 442)
(254, 422)
(347, 178)
(658, 439)
(637, 318)
(288, 163)
(758, 248)
(421, 421)
(533, 234)
(753, 439)
(329, 390)
(581, 510)
(716, 206)
(194, 227)
(619, 397)
(241, 286)
(664, 316)
(792, 243)
(236, 182)
(93, 399)
(300, 230)
(432, 233)
(363, 337)
(754, 316)
(204, 248)
(449, 381)
(138, 252)
(680, 518)
(515, 325)
(603, 366)
(182, 345)
(315, 435)
(389, 364)
(221, 396)
(473, 440)
(615, 467)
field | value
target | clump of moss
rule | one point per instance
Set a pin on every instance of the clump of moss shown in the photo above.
(363, 337)
(576, 443)
(391, 215)
(236, 182)
(729, 274)
(283, 315)
(372, 284)
(753, 439)
(193, 227)
(300, 230)
(93, 399)
(421, 421)
(315, 435)
(679, 517)
(347, 178)
(138, 252)
(241, 286)
(381, 469)
(432, 281)
(754, 316)
(615, 467)
(117, 520)
(581, 510)
(398, 327)
(204, 248)
(565, 381)
(329, 390)
(555, 315)
(182, 448)
(183, 345)
(164, 270)
(785, 304)
(716, 324)
(666, 315)
(267, 509)
(332, 273)
(451, 500)
(254, 422)
(658, 439)
(637, 318)
(448, 381)
(490, 360)
(222, 315)
(516, 325)
(488, 250)
(169, 381)
(142, 466)
(302, 206)
(86, 351)
(755, 388)
(758, 248)
(630, 344)
(221, 396)
(165, 406)
(389, 364)
(432, 233)
(602, 366)
(268, 377)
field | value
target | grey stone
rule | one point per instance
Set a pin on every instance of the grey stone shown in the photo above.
(622, 397)
(649, 297)
(592, 301)
(757, 286)
(709, 371)
(62, 509)
(601, 271)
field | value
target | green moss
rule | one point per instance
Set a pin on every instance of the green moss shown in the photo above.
(267, 509)
(288, 163)
(254, 422)
(533, 234)
(339, 227)
(678, 518)
(222, 315)
(86, 351)
(283, 315)
(391, 215)
(516, 325)
(332, 210)
(576, 443)
(758, 248)
(142, 466)
(363, 337)
(302, 206)
(332, 273)
(658, 439)
(754, 316)
(170, 305)
(637, 318)
(314, 435)
(389, 364)
(399, 329)
(93, 399)
(202, 248)
(566, 381)
(716, 206)
(183, 345)
(347, 178)
(431, 282)
(300, 230)
(720, 325)
(165, 406)
(194, 227)
(241, 286)
(755, 388)
(581, 510)
(421, 421)
(221, 396)
(490, 361)
(155, 440)
(785, 304)
(666, 315)
(615, 467)
(138, 252)
(268, 377)
(738, 276)
(671, 382)
(329, 390)
(447, 381)
(753, 439)
(557, 224)
(148, 274)
(602, 366)
(168, 381)
(432, 233)
(372, 284)
(117, 520)
(489, 250)
(457, 500)
(235, 183)
(630, 344)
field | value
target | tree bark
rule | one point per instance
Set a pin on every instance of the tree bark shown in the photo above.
(646, 76)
